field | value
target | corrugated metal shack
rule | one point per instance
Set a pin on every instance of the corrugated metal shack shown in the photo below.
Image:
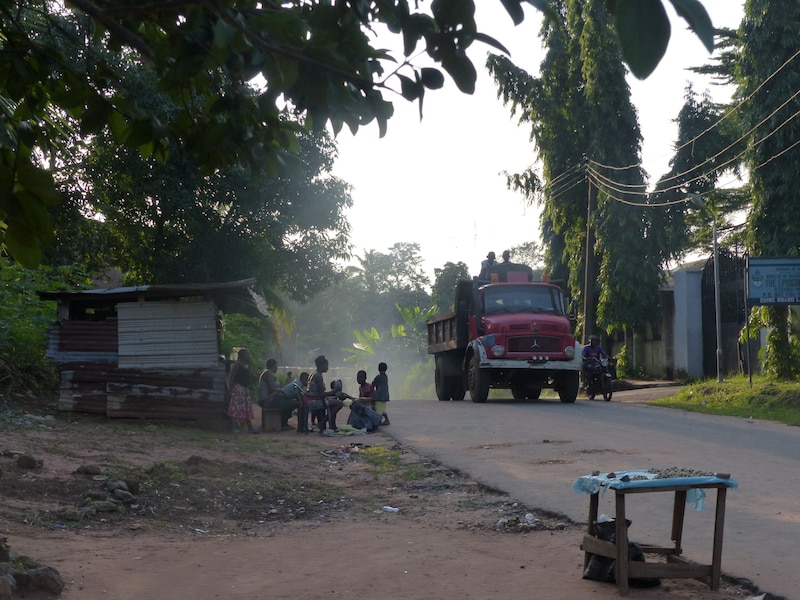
(150, 351)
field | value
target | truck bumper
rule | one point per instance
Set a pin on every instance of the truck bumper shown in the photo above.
(524, 365)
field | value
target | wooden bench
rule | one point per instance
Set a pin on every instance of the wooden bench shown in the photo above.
(271, 419)
(676, 566)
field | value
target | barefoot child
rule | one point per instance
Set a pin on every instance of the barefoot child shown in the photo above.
(381, 386)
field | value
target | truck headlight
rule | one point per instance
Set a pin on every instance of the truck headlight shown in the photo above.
(498, 351)
(570, 352)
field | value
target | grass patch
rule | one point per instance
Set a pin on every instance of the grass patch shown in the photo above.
(766, 399)
(385, 460)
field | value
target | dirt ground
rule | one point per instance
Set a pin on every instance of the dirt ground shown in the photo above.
(279, 515)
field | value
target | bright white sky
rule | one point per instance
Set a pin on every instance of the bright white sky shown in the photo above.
(439, 182)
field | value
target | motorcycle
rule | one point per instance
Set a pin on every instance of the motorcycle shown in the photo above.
(599, 374)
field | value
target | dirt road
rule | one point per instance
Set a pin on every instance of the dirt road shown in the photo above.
(213, 521)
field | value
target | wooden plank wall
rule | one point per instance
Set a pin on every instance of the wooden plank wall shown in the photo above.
(158, 360)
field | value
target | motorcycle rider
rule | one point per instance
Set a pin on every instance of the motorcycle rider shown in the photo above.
(592, 350)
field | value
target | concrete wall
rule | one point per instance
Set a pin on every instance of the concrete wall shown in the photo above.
(650, 357)
(688, 332)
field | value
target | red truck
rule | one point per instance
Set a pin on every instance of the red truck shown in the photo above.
(506, 333)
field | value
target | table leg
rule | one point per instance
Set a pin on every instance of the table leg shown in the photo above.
(594, 501)
(719, 526)
(678, 513)
(621, 541)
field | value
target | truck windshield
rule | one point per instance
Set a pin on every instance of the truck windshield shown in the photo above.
(522, 298)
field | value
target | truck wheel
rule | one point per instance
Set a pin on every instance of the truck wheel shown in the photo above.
(458, 389)
(568, 390)
(442, 383)
(477, 381)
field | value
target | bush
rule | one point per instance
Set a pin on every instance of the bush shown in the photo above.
(24, 320)
(625, 370)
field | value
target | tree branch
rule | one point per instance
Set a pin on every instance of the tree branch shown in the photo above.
(102, 16)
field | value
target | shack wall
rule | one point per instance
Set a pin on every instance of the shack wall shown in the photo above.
(155, 360)
(167, 335)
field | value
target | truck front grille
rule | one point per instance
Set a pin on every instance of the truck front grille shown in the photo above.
(534, 344)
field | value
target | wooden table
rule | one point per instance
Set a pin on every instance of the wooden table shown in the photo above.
(676, 566)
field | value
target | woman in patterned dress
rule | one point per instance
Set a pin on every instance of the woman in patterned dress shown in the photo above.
(240, 408)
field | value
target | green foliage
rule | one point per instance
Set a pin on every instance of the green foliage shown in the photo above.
(398, 270)
(366, 299)
(415, 330)
(780, 358)
(766, 399)
(528, 253)
(445, 281)
(404, 348)
(708, 147)
(24, 320)
(625, 370)
(363, 349)
(385, 460)
(579, 109)
(168, 222)
(318, 58)
(253, 333)
(769, 38)
(644, 30)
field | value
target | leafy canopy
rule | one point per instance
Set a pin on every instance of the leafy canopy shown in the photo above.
(315, 58)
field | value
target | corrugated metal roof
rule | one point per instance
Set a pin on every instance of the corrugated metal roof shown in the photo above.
(159, 290)
(242, 294)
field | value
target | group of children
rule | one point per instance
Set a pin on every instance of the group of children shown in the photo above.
(286, 394)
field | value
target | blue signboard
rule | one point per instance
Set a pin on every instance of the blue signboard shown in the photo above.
(773, 281)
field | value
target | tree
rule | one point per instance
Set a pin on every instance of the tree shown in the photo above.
(368, 298)
(629, 264)
(316, 59)
(528, 253)
(398, 270)
(709, 145)
(168, 223)
(445, 280)
(404, 271)
(585, 129)
(769, 38)
(532, 254)
(24, 321)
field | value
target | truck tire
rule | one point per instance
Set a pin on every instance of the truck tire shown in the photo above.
(442, 383)
(477, 381)
(568, 390)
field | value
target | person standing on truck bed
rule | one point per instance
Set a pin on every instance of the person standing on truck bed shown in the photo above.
(506, 256)
(486, 265)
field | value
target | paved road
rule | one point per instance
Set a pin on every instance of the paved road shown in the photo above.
(534, 451)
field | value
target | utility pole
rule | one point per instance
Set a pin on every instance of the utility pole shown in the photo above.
(589, 312)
